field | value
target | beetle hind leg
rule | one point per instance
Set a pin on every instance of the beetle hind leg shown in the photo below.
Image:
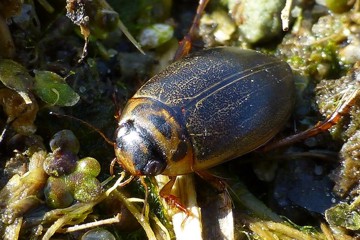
(186, 44)
(342, 109)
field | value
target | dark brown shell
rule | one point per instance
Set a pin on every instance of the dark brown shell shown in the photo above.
(231, 101)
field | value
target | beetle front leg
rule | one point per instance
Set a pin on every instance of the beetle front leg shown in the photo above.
(112, 165)
(171, 199)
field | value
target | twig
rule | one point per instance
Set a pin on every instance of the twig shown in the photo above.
(285, 15)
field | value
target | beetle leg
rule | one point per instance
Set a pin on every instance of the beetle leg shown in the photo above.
(342, 109)
(142, 180)
(185, 44)
(112, 165)
(215, 181)
(172, 200)
(222, 187)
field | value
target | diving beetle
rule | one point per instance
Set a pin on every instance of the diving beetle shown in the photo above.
(207, 108)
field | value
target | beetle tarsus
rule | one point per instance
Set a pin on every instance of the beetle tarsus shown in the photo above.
(174, 201)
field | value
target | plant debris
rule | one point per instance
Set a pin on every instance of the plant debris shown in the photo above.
(55, 178)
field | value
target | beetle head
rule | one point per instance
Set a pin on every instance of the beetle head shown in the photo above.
(136, 150)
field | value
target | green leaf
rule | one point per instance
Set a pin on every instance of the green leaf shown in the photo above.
(16, 77)
(53, 89)
(343, 215)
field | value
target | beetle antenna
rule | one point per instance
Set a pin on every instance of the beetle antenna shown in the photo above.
(85, 123)
(117, 106)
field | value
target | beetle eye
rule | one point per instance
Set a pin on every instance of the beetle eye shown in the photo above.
(153, 167)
